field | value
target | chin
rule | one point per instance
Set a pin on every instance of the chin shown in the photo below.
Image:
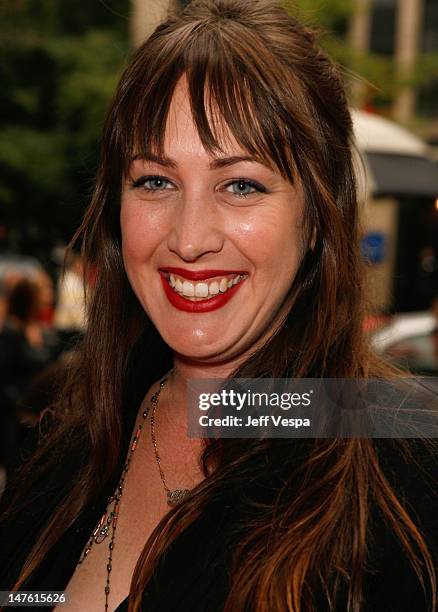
(200, 345)
(197, 349)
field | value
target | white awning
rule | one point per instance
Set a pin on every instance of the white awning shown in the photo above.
(395, 162)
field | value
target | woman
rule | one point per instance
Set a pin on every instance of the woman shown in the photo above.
(27, 347)
(224, 228)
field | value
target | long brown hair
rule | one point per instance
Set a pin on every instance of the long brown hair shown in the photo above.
(260, 71)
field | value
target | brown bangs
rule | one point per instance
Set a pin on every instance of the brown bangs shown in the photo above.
(228, 88)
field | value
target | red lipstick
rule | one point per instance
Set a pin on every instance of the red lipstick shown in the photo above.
(207, 305)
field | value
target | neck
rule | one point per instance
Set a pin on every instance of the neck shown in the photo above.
(185, 369)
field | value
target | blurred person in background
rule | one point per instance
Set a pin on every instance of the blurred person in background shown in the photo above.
(14, 268)
(8, 282)
(27, 346)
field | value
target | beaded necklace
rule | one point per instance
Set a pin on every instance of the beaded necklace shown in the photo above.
(108, 521)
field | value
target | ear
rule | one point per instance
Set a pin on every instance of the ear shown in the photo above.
(312, 239)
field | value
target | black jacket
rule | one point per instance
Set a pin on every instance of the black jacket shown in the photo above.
(194, 574)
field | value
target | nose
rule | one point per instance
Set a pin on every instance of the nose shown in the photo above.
(196, 229)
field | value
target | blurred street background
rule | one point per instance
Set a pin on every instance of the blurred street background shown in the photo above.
(59, 63)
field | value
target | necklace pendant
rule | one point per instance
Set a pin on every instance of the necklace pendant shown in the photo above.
(101, 534)
(176, 496)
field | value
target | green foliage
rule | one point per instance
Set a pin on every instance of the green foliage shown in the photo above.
(328, 14)
(59, 63)
(330, 18)
(426, 69)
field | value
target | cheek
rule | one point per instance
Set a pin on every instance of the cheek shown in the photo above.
(273, 243)
(139, 236)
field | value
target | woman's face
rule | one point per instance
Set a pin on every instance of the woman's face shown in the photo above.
(211, 243)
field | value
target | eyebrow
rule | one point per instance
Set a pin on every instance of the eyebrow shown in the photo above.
(151, 157)
(224, 162)
(219, 162)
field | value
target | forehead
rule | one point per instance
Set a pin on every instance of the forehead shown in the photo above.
(182, 135)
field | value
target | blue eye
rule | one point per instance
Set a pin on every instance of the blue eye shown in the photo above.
(152, 183)
(244, 187)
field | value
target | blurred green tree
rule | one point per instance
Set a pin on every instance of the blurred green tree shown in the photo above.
(59, 63)
(382, 83)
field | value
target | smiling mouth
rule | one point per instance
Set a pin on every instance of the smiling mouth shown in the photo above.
(202, 290)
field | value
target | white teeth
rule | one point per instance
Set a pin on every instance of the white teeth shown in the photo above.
(188, 289)
(201, 290)
(213, 288)
(223, 286)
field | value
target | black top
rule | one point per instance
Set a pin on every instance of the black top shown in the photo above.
(194, 573)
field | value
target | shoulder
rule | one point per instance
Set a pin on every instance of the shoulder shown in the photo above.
(411, 468)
